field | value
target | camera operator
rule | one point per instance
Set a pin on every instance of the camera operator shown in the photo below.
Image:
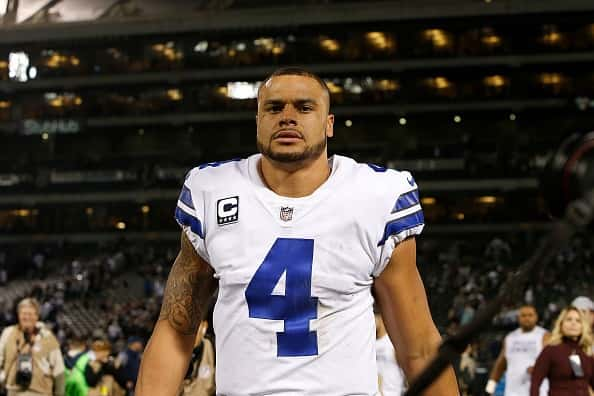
(31, 363)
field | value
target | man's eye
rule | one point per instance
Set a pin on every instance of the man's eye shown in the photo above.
(275, 109)
(306, 108)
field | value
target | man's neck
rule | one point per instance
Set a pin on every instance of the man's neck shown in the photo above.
(294, 180)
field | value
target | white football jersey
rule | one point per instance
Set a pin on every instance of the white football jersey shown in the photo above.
(521, 350)
(294, 311)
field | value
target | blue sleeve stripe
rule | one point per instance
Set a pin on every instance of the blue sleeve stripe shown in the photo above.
(395, 227)
(188, 220)
(406, 200)
(186, 197)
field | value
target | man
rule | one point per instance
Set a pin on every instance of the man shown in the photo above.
(75, 354)
(130, 361)
(519, 351)
(31, 362)
(390, 376)
(296, 241)
(94, 372)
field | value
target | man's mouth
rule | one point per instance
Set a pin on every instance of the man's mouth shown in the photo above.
(287, 135)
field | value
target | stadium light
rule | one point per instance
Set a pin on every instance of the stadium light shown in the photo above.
(329, 44)
(201, 46)
(428, 201)
(18, 63)
(487, 199)
(242, 90)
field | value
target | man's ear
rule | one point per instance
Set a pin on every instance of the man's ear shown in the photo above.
(330, 125)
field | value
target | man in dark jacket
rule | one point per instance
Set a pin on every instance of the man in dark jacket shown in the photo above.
(130, 360)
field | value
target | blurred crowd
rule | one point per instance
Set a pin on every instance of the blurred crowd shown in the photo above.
(108, 297)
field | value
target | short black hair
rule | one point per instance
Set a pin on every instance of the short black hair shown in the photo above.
(528, 305)
(296, 71)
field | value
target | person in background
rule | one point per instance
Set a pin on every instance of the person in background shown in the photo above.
(586, 305)
(75, 381)
(130, 362)
(467, 369)
(391, 381)
(200, 377)
(567, 360)
(31, 362)
(518, 353)
(102, 371)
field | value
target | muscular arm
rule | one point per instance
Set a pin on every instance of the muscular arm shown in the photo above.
(166, 357)
(497, 371)
(403, 303)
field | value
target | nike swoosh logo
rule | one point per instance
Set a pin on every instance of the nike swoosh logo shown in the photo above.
(410, 181)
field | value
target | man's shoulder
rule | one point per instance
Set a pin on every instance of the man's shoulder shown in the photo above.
(7, 331)
(215, 173)
(540, 329)
(48, 335)
(515, 332)
(377, 176)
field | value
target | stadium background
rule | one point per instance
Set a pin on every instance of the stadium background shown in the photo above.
(105, 105)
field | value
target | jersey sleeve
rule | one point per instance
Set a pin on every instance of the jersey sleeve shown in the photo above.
(189, 213)
(404, 218)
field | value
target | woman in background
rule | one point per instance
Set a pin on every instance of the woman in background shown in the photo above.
(567, 360)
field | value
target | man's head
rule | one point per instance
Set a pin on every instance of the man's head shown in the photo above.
(527, 317)
(76, 341)
(585, 305)
(102, 349)
(293, 120)
(28, 314)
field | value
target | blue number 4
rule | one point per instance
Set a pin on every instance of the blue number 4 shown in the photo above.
(297, 307)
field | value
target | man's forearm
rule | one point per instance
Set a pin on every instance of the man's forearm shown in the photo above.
(444, 385)
(164, 362)
(495, 375)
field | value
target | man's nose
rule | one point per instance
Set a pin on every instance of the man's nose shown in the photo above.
(288, 115)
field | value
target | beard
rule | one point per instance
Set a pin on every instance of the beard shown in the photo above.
(310, 152)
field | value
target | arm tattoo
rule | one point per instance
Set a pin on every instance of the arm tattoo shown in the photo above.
(187, 291)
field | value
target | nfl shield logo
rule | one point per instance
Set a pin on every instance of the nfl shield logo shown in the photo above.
(286, 213)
